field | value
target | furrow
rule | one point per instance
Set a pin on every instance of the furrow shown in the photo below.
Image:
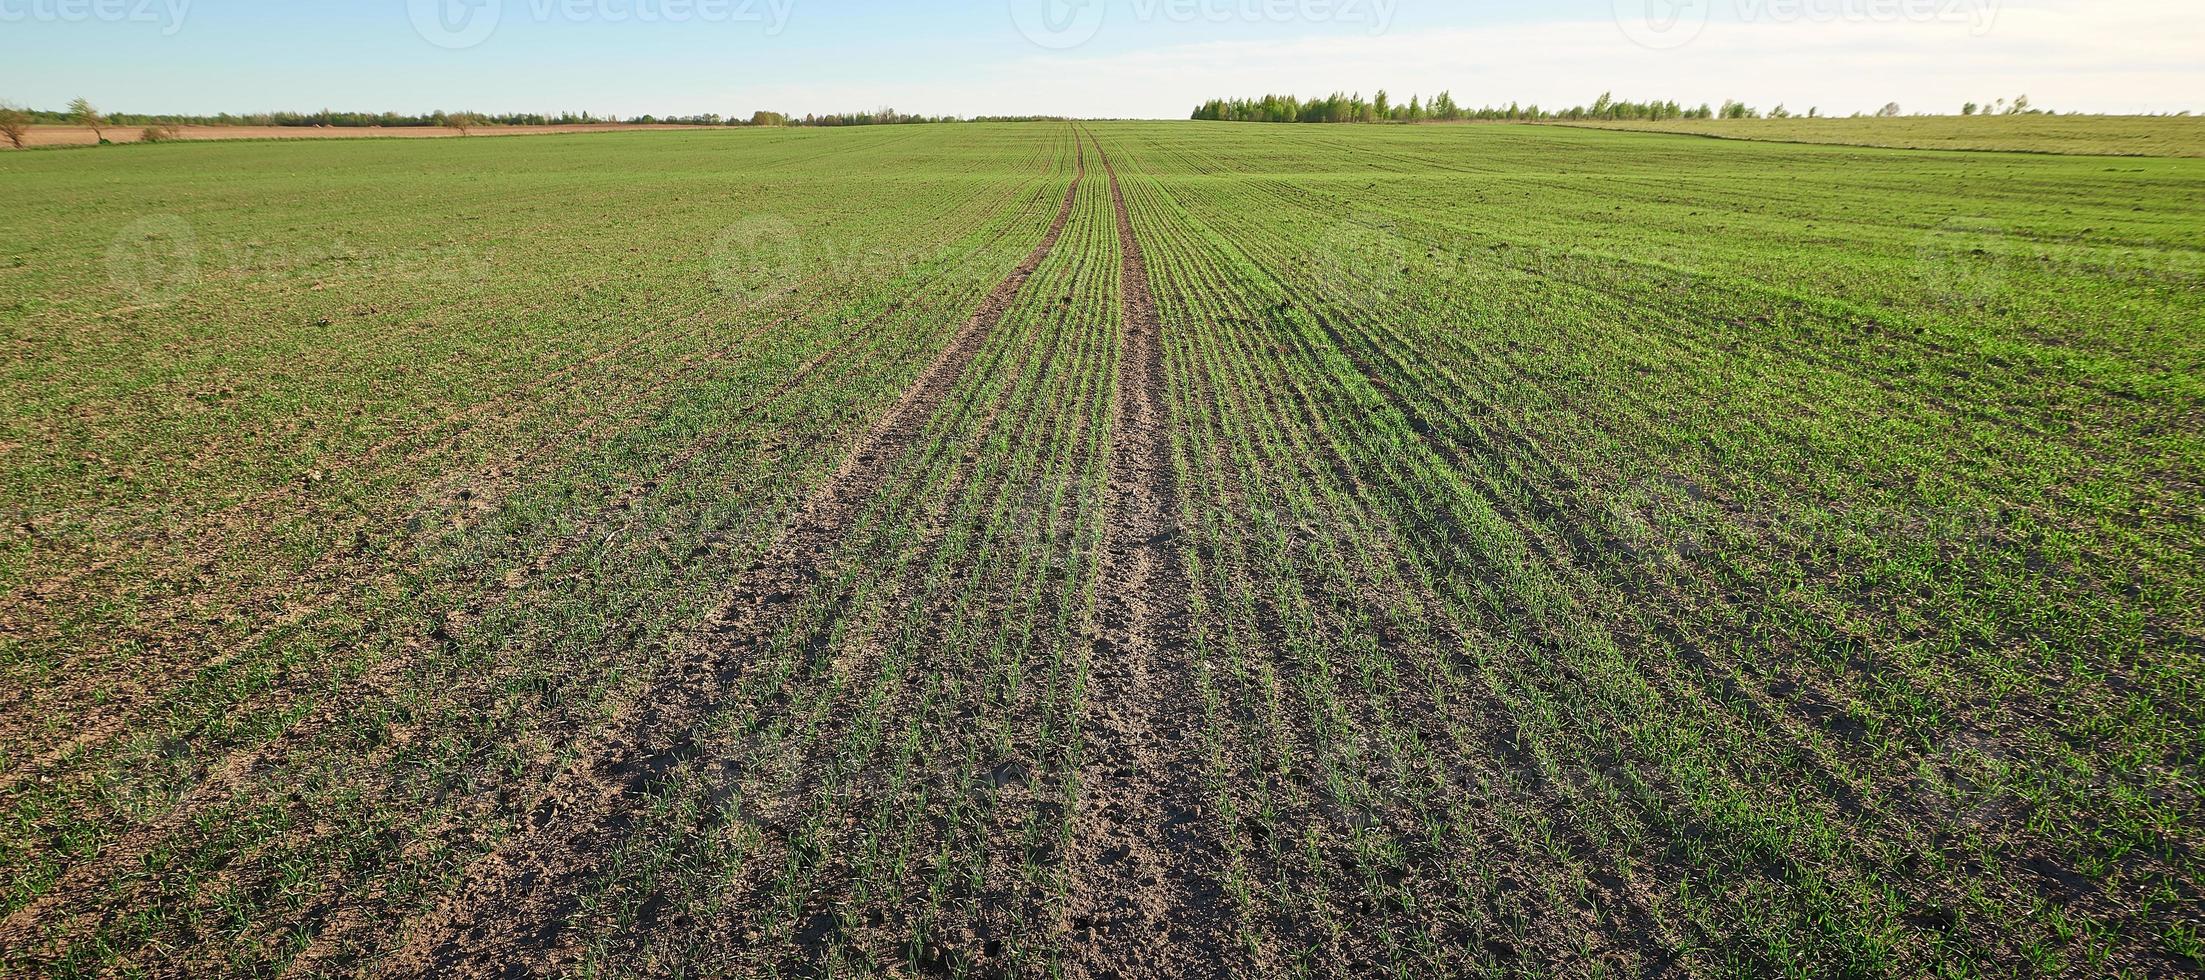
(1142, 898)
(515, 905)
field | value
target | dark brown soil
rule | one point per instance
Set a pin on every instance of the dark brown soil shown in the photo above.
(1141, 892)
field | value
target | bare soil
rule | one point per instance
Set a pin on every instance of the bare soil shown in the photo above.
(82, 136)
(1142, 895)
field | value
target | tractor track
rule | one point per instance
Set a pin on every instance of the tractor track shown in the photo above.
(513, 910)
(232, 770)
(158, 633)
(1141, 897)
(226, 773)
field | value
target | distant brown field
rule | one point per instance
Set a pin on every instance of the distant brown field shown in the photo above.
(82, 136)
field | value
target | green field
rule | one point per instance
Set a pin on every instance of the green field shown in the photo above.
(1125, 550)
(2140, 136)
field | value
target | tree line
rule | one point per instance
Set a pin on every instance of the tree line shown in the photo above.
(877, 117)
(1343, 107)
(15, 121)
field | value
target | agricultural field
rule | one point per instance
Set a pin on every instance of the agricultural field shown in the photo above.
(1101, 550)
(2141, 136)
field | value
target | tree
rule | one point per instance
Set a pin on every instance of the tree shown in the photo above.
(15, 125)
(1969, 109)
(82, 113)
(1444, 107)
(2020, 106)
(463, 121)
(1890, 110)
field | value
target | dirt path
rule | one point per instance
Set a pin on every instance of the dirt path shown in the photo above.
(1141, 894)
(512, 912)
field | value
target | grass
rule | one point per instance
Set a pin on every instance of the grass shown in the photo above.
(1602, 553)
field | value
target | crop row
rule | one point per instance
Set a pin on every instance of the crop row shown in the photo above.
(1794, 742)
(425, 711)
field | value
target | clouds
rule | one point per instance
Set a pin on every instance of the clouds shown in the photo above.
(1841, 55)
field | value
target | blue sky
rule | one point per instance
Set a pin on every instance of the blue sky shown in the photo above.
(1146, 58)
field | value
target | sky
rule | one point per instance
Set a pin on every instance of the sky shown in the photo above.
(1093, 58)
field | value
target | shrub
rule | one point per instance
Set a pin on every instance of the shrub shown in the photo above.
(15, 125)
(83, 114)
